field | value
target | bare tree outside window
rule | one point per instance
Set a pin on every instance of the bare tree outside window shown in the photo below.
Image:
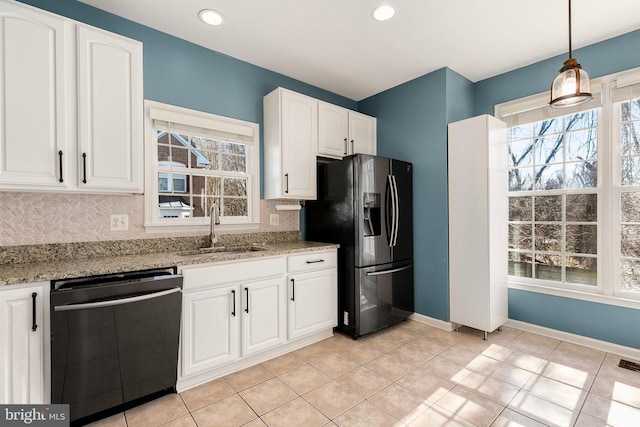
(553, 204)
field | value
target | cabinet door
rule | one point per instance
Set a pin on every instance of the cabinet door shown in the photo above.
(33, 112)
(299, 141)
(210, 329)
(22, 345)
(312, 302)
(263, 320)
(362, 133)
(333, 130)
(109, 111)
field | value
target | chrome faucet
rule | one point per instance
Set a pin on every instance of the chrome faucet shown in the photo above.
(215, 219)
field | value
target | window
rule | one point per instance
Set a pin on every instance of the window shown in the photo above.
(574, 193)
(196, 160)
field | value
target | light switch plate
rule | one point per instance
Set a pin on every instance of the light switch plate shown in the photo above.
(274, 219)
(119, 222)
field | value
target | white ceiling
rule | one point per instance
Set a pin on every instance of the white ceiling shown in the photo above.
(336, 44)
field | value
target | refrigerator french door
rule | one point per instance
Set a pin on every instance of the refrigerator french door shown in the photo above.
(365, 204)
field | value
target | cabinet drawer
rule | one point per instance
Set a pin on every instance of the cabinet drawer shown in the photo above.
(235, 272)
(311, 261)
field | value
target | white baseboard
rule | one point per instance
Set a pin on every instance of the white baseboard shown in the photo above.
(621, 350)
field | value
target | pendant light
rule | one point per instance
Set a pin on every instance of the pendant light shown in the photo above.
(572, 86)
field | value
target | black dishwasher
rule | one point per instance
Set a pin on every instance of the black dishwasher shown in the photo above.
(114, 338)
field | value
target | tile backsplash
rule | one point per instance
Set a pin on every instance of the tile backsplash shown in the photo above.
(39, 218)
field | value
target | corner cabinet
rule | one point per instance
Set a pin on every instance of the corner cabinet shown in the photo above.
(22, 318)
(478, 183)
(290, 139)
(71, 107)
(342, 132)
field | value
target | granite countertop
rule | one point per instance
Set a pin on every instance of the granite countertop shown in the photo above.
(57, 266)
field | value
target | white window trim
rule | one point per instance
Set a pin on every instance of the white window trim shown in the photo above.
(247, 131)
(535, 108)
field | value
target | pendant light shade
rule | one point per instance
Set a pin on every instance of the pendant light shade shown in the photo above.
(572, 86)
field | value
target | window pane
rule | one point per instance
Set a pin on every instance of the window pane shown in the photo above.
(582, 239)
(520, 264)
(232, 147)
(174, 207)
(630, 170)
(179, 183)
(582, 270)
(630, 110)
(630, 275)
(582, 145)
(548, 208)
(521, 132)
(549, 177)
(630, 241)
(548, 237)
(235, 207)
(520, 208)
(520, 236)
(549, 267)
(235, 187)
(521, 179)
(630, 207)
(582, 207)
(582, 174)
(521, 153)
(630, 138)
(546, 127)
(582, 120)
(549, 150)
(233, 163)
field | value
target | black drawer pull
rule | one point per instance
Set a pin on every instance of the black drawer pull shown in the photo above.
(233, 295)
(293, 289)
(286, 177)
(33, 309)
(84, 168)
(60, 156)
(246, 290)
(316, 261)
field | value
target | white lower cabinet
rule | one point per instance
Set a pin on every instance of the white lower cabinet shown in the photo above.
(313, 298)
(22, 325)
(237, 314)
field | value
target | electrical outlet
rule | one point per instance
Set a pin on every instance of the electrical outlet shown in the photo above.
(274, 219)
(119, 222)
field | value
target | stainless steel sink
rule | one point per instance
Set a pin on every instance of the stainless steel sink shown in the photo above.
(223, 250)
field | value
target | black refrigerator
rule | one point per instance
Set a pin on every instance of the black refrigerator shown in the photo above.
(365, 204)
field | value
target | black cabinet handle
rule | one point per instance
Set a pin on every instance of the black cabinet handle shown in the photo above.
(316, 261)
(60, 157)
(84, 168)
(293, 289)
(345, 146)
(233, 295)
(33, 309)
(286, 178)
(246, 290)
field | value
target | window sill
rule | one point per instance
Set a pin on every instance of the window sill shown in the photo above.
(194, 228)
(577, 295)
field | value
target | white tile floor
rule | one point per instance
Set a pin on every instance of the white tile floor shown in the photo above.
(412, 375)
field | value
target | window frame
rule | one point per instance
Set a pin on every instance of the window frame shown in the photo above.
(250, 134)
(608, 190)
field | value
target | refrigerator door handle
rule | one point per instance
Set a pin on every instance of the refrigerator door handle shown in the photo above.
(393, 270)
(396, 207)
(393, 211)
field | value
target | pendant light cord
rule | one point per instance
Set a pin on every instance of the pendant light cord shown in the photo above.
(570, 50)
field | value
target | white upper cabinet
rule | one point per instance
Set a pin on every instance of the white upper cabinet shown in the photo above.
(362, 133)
(35, 77)
(290, 139)
(109, 110)
(70, 105)
(342, 132)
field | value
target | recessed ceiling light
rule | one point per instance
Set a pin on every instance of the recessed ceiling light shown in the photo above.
(211, 17)
(383, 12)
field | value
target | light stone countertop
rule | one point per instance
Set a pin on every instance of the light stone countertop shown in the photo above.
(16, 273)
